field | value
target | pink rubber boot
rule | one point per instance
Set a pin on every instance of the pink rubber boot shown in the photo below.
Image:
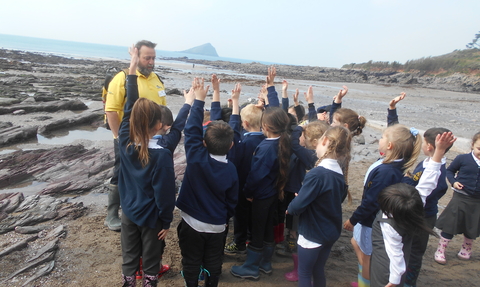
(466, 250)
(293, 276)
(440, 253)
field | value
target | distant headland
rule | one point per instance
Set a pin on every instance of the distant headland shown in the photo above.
(205, 49)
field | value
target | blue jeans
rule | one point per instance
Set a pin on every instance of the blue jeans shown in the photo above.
(311, 262)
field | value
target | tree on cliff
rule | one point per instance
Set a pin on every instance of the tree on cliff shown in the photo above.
(475, 44)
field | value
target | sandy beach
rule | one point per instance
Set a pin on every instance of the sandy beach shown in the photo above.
(90, 254)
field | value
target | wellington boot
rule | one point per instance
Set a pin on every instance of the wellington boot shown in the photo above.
(249, 269)
(266, 262)
(293, 276)
(466, 250)
(112, 221)
(440, 253)
(129, 281)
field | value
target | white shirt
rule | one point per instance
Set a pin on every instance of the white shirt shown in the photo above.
(392, 240)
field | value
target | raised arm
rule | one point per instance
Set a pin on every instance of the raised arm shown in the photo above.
(271, 93)
(337, 101)
(392, 118)
(429, 179)
(132, 92)
(312, 112)
(193, 129)
(285, 100)
(216, 110)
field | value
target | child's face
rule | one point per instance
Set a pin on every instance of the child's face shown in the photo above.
(383, 144)
(425, 146)
(476, 149)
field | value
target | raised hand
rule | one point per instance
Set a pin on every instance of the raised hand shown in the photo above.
(284, 85)
(309, 95)
(236, 92)
(133, 51)
(199, 90)
(342, 93)
(189, 96)
(393, 103)
(272, 72)
(215, 83)
(295, 98)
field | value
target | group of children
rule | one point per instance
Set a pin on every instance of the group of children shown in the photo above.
(270, 160)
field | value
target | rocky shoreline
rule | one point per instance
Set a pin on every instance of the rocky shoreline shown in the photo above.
(456, 82)
(64, 187)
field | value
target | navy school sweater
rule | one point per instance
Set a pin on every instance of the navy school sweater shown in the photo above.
(262, 178)
(243, 150)
(209, 190)
(465, 170)
(319, 204)
(380, 177)
(147, 194)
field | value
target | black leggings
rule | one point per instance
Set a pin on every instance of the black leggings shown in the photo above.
(263, 211)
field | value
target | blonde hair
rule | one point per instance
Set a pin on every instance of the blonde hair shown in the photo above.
(355, 122)
(405, 145)
(144, 117)
(339, 148)
(314, 131)
(252, 115)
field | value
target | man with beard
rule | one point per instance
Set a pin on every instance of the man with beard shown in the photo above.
(149, 86)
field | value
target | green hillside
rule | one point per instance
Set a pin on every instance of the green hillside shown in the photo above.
(459, 61)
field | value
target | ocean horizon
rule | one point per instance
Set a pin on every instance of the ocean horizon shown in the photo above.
(91, 50)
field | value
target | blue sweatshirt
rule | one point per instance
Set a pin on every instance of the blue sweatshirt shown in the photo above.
(380, 177)
(465, 170)
(209, 190)
(243, 150)
(262, 178)
(319, 204)
(147, 194)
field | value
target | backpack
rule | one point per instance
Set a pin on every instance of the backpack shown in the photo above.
(109, 75)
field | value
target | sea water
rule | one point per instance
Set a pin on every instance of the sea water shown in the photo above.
(79, 49)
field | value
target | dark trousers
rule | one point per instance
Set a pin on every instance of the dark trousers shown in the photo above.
(200, 249)
(140, 241)
(242, 221)
(263, 211)
(419, 246)
(311, 262)
(289, 196)
(116, 165)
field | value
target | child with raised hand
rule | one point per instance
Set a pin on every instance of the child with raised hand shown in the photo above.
(401, 219)
(462, 214)
(401, 147)
(264, 186)
(420, 240)
(392, 117)
(208, 194)
(319, 205)
(146, 184)
(346, 117)
(244, 150)
(303, 158)
(296, 109)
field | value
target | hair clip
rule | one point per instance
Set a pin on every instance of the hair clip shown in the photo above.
(414, 131)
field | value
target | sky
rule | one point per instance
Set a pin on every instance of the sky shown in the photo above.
(314, 33)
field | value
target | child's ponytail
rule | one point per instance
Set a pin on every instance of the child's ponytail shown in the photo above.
(277, 122)
(339, 148)
(406, 145)
(355, 123)
(145, 116)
